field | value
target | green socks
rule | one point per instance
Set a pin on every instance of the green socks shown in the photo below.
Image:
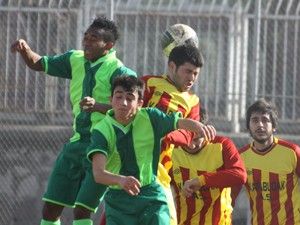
(45, 222)
(75, 222)
(83, 222)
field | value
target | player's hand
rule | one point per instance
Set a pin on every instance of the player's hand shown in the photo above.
(19, 46)
(87, 104)
(208, 132)
(191, 186)
(130, 184)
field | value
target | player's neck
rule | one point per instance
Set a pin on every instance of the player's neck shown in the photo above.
(263, 147)
(173, 83)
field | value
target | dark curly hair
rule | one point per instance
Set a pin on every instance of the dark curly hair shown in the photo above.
(186, 53)
(109, 28)
(129, 83)
(263, 106)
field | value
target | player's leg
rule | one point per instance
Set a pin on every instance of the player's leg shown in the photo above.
(158, 214)
(164, 180)
(154, 202)
(121, 208)
(51, 214)
(82, 216)
(64, 182)
(89, 195)
(102, 218)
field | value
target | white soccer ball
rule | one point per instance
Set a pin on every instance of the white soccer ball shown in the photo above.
(176, 35)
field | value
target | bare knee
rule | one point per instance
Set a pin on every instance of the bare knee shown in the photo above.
(51, 211)
(81, 213)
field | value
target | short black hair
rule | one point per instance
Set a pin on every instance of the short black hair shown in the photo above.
(129, 83)
(186, 53)
(109, 28)
(265, 107)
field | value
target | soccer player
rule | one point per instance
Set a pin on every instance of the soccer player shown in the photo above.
(273, 168)
(171, 92)
(201, 176)
(125, 154)
(91, 72)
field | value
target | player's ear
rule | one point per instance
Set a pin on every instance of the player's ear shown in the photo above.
(140, 102)
(110, 99)
(109, 45)
(171, 66)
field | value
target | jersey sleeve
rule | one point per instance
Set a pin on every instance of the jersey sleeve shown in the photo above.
(58, 65)
(297, 151)
(178, 138)
(183, 137)
(148, 92)
(99, 144)
(163, 123)
(120, 71)
(232, 173)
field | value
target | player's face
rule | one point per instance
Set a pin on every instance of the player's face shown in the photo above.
(125, 104)
(183, 76)
(93, 45)
(195, 146)
(261, 128)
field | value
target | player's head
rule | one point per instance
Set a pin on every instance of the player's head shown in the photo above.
(184, 66)
(127, 97)
(262, 120)
(176, 35)
(129, 84)
(99, 38)
(186, 54)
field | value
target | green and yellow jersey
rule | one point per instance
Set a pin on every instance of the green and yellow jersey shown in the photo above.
(87, 78)
(134, 149)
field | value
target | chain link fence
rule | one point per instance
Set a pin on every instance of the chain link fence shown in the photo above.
(251, 50)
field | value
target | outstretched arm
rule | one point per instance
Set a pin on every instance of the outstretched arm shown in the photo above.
(201, 130)
(129, 183)
(31, 58)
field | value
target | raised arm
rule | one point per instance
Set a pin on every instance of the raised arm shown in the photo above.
(31, 58)
(201, 130)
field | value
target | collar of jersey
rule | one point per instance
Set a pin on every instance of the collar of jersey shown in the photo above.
(109, 55)
(124, 129)
(275, 141)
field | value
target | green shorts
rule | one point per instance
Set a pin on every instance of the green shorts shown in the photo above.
(149, 207)
(71, 182)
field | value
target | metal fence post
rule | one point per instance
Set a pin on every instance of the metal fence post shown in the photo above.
(110, 9)
(256, 53)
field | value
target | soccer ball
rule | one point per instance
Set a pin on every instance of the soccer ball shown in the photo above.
(176, 35)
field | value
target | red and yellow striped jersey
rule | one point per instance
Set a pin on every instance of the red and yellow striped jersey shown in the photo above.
(220, 166)
(272, 183)
(161, 93)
